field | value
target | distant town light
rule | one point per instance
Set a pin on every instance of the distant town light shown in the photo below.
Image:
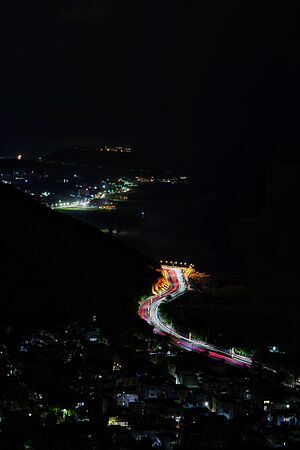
(19, 157)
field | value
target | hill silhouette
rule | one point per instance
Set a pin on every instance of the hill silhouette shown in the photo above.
(56, 268)
(91, 155)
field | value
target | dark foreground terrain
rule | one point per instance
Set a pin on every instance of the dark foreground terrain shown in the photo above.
(56, 268)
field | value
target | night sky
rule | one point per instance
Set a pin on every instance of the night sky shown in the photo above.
(212, 87)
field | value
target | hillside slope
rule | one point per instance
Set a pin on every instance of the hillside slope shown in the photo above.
(57, 268)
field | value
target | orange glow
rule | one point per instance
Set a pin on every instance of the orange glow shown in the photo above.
(159, 285)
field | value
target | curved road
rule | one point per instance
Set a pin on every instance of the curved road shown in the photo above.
(149, 311)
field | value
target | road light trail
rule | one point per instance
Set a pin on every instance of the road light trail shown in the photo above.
(177, 286)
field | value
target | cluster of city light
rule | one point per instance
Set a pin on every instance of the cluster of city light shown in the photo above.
(112, 191)
(152, 179)
(61, 204)
(109, 207)
(114, 149)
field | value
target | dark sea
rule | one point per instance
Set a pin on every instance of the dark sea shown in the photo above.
(181, 222)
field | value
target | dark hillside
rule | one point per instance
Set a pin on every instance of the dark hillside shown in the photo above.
(57, 268)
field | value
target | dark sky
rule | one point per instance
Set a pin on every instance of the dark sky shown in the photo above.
(209, 85)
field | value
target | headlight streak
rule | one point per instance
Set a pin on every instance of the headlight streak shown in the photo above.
(177, 286)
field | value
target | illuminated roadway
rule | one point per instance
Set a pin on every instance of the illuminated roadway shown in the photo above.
(177, 286)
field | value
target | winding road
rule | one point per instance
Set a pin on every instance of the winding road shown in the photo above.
(177, 286)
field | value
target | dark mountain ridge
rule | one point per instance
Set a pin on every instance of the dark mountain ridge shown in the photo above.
(89, 155)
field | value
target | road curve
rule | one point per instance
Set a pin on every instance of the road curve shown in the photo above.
(177, 286)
